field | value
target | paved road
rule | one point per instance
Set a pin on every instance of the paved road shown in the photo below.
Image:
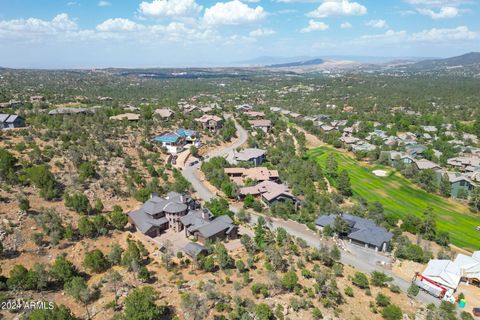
(189, 171)
(364, 260)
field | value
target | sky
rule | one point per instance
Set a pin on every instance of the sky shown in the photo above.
(186, 33)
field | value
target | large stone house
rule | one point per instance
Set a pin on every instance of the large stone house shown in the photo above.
(179, 212)
(210, 122)
(269, 192)
(159, 214)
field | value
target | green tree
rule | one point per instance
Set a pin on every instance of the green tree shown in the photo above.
(78, 202)
(392, 312)
(224, 260)
(413, 290)
(380, 279)
(43, 179)
(96, 261)
(263, 312)
(115, 255)
(382, 300)
(140, 305)
(118, 219)
(360, 280)
(7, 165)
(24, 204)
(86, 170)
(474, 200)
(332, 165)
(290, 280)
(86, 228)
(57, 313)
(260, 233)
(62, 269)
(343, 183)
(77, 288)
(445, 186)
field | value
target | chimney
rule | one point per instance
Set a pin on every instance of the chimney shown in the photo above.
(205, 215)
(153, 195)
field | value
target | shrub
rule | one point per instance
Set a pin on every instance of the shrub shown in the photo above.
(392, 312)
(360, 280)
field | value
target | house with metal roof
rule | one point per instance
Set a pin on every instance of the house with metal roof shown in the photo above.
(175, 142)
(159, 214)
(202, 225)
(362, 231)
(10, 121)
(270, 192)
(252, 155)
(263, 124)
(195, 250)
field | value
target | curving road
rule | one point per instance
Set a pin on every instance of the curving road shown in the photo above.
(364, 260)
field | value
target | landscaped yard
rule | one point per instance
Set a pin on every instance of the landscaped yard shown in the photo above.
(401, 197)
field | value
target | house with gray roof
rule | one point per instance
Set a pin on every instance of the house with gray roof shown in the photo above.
(253, 155)
(195, 250)
(202, 225)
(361, 231)
(10, 121)
(159, 214)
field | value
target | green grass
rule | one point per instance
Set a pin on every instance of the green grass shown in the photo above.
(400, 197)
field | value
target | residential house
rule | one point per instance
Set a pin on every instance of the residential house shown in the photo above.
(415, 149)
(69, 111)
(188, 108)
(270, 192)
(429, 129)
(262, 124)
(175, 142)
(126, 116)
(465, 163)
(210, 122)
(259, 174)
(363, 146)
(255, 114)
(424, 164)
(164, 113)
(11, 104)
(159, 214)
(395, 157)
(202, 225)
(252, 155)
(244, 108)
(327, 128)
(276, 109)
(11, 121)
(461, 183)
(361, 231)
(34, 99)
(349, 139)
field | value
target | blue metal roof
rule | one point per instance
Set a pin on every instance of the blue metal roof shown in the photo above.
(169, 137)
(186, 133)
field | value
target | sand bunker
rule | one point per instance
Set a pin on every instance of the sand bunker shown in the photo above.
(380, 173)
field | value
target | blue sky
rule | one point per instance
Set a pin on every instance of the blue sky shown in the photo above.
(160, 33)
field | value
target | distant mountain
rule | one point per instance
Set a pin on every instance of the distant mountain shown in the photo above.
(468, 59)
(270, 60)
(312, 62)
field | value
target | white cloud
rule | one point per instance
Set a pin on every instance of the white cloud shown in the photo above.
(388, 36)
(379, 24)
(435, 3)
(444, 13)
(33, 27)
(315, 26)
(435, 35)
(442, 35)
(118, 24)
(233, 13)
(338, 8)
(170, 8)
(104, 3)
(346, 25)
(261, 33)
